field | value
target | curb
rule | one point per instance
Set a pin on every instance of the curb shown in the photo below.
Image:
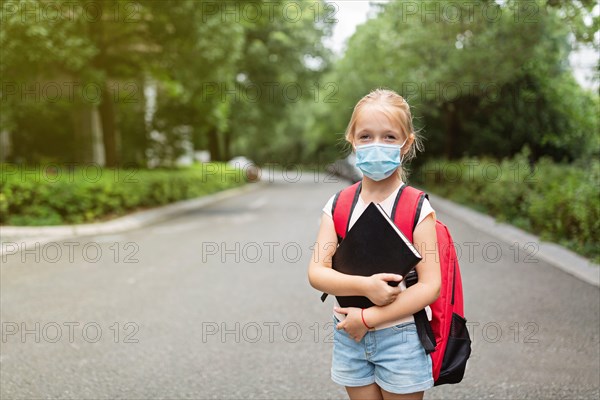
(29, 236)
(552, 253)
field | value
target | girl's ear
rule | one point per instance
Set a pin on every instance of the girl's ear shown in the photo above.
(409, 142)
(353, 145)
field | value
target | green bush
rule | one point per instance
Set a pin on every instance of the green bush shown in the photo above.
(54, 195)
(556, 201)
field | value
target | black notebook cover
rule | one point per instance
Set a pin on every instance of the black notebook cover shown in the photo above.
(373, 245)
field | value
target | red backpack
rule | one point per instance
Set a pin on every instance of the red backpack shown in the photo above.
(445, 338)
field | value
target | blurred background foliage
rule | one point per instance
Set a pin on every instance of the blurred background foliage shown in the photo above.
(254, 78)
(228, 76)
(141, 83)
(58, 195)
(477, 85)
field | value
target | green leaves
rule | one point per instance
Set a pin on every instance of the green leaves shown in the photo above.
(556, 201)
(484, 78)
(35, 197)
(254, 78)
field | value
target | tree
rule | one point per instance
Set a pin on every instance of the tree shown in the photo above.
(98, 44)
(482, 80)
(200, 55)
(282, 61)
(39, 81)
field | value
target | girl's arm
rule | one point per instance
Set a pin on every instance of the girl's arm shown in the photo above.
(322, 277)
(422, 293)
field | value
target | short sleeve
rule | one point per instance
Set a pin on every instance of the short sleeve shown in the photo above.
(327, 208)
(426, 209)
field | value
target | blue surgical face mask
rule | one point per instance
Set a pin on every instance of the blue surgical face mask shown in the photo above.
(377, 160)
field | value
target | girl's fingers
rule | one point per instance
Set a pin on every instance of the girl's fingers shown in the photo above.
(341, 310)
(392, 277)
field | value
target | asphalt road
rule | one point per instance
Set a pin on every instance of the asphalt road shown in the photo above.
(216, 305)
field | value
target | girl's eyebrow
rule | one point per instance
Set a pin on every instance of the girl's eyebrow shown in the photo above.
(383, 133)
(366, 131)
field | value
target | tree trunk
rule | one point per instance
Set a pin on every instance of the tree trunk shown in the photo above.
(109, 131)
(5, 145)
(106, 107)
(82, 125)
(227, 146)
(213, 145)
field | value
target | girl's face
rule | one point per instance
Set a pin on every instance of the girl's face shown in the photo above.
(373, 126)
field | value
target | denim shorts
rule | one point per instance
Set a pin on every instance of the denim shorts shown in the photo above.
(392, 357)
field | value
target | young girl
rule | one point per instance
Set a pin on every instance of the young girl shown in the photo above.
(377, 353)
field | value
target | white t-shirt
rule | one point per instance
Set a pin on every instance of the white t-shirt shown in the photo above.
(387, 206)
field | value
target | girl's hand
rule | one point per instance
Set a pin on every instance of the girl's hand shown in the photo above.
(378, 290)
(352, 323)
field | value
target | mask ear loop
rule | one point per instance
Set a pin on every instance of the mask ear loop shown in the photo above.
(401, 146)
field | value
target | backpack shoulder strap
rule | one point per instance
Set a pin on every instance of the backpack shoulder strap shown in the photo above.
(405, 215)
(407, 208)
(342, 207)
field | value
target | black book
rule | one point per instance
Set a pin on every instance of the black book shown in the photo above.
(373, 245)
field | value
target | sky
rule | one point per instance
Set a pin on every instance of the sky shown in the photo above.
(351, 13)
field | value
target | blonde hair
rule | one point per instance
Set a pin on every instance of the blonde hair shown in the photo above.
(396, 109)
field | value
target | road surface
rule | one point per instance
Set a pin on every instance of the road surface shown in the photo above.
(216, 305)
